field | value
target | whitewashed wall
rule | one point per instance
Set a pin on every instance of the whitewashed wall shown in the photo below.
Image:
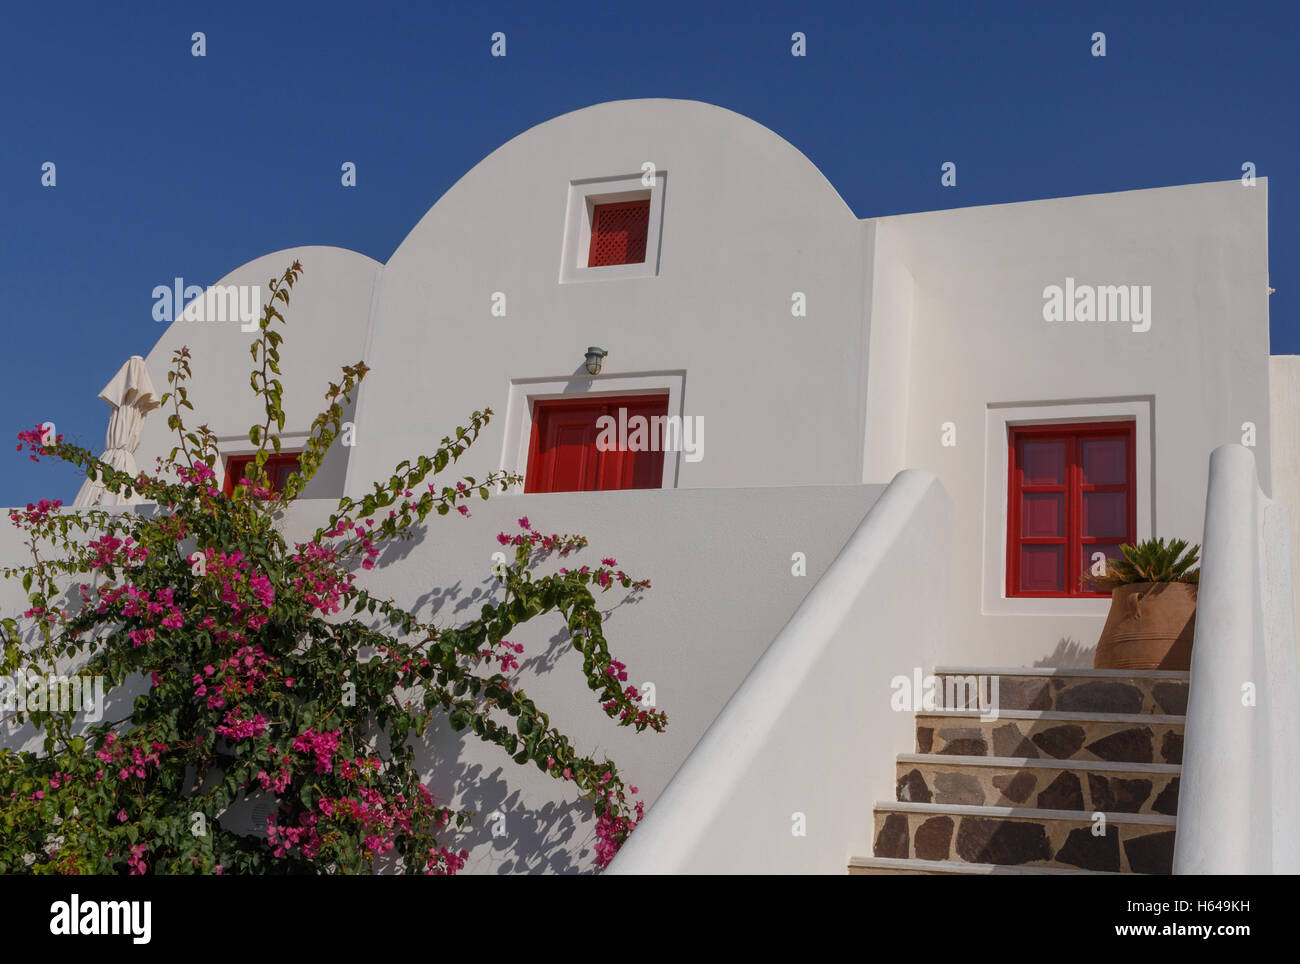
(328, 320)
(747, 222)
(720, 564)
(1284, 413)
(912, 322)
(979, 346)
(784, 780)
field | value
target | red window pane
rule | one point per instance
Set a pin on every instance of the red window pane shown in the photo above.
(1105, 461)
(1105, 514)
(1092, 550)
(618, 233)
(1043, 515)
(280, 474)
(1042, 568)
(1043, 462)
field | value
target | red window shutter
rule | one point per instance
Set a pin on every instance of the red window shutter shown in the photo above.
(628, 469)
(618, 233)
(563, 455)
(1072, 494)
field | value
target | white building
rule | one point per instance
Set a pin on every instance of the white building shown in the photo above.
(816, 355)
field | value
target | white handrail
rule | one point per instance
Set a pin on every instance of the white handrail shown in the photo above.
(1238, 805)
(807, 741)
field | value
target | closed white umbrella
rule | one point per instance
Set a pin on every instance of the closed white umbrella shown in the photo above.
(131, 396)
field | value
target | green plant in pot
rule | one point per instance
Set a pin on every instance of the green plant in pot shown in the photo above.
(1152, 609)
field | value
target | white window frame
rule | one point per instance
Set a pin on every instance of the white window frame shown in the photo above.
(525, 391)
(998, 419)
(584, 195)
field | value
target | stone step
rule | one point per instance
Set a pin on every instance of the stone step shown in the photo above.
(1042, 784)
(1025, 837)
(1065, 690)
(1048, 734)
(892, 865)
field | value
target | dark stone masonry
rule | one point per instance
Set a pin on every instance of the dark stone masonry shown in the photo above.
(1063, 793)
(1101, 697)
(1126, 746)
(984, 841)
(934, 839)
(1061, 742)
(1083, 849)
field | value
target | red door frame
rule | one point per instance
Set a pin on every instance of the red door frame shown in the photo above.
(1073, 488)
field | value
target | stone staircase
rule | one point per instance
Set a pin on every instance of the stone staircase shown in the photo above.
(1027, 792)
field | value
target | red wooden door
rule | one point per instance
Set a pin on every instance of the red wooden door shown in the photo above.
(563, 455)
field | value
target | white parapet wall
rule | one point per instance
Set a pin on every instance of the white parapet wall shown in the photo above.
(1284, 442)
(784, 779)
(727, 566)
(1237, 806)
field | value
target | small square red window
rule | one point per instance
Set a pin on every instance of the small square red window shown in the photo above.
(618, 233)
(1072, 496)
(278, 469)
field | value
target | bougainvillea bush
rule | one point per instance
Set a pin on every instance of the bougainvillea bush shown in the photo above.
(266, 671)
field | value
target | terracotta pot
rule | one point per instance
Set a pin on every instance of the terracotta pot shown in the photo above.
(1149, 627)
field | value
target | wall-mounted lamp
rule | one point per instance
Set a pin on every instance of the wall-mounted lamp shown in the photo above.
(595, 356)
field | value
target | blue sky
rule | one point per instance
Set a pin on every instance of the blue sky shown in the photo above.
(170, 165)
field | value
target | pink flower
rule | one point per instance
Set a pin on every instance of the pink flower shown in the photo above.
(236, 729)
(121, 816)
(321, 745)
(136, 860)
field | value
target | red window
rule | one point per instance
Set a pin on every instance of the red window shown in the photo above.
(278, 469)
(564, 454)
(1072, 494)
(618, 233)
